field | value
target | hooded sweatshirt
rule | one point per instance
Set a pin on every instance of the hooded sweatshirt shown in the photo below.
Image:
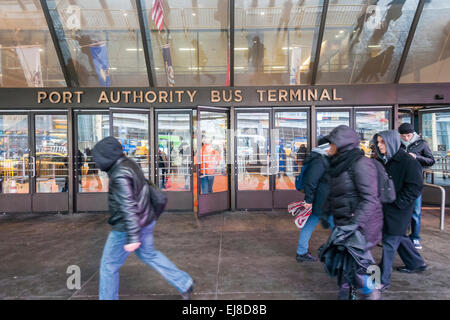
(393, 143)
(106, 152)
(413, 139)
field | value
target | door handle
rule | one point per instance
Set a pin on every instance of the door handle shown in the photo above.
(33, 168)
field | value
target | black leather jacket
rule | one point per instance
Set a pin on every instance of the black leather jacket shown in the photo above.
(128, 195)
(129, 199)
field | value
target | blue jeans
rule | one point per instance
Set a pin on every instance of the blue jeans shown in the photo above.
(114, 255)
(415, 220)
(207, 184)
(306, 232)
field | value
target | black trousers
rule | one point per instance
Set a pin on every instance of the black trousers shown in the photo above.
(406, 250)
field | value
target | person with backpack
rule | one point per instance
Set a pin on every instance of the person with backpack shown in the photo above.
(406, 174)
(354, 203)
(316, 188)
(419, 149)
(133, 221)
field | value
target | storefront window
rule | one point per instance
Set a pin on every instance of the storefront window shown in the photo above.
(368, 123)
(91, 129)
(190, 45)
(100, 41)
(429, 55)
(291, 139)
(14, 154)
(51, 153)
(404, 117)
(436, 131)
(364, 40)
(275, 41)
(253, 151)
(27, 54)
(131, 129)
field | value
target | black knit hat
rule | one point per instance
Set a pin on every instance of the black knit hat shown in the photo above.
(405, 128)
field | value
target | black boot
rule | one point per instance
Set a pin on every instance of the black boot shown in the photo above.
(344, 292)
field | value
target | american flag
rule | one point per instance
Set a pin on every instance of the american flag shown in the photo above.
(158, 14)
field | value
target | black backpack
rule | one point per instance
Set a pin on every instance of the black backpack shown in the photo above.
(158, 199)
(386, 188)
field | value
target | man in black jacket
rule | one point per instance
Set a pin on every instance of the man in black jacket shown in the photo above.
(132, 222)
(418, 149)
(407, 177)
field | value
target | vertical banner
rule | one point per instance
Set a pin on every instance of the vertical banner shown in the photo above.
(30, 60)
(101, 63)
(296, 64)
(168, 65)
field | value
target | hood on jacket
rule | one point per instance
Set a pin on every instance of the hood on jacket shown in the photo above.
(106, 152)
(393, 143)
(344, 137)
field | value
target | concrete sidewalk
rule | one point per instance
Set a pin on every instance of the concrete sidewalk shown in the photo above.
(234, 255)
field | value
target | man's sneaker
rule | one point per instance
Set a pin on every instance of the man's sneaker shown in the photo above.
(307, 257)
(187, 295)
(404, 269)
(417, 244)
(384, 287)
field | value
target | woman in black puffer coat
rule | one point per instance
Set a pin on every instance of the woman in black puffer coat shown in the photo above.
(353, 201)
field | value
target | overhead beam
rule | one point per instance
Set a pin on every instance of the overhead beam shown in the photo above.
(319, 42)
(231, 44)
(146, 44)
(409, 40)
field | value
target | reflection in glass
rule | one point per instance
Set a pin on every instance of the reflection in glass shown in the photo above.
(213, 155)
(131, 129)
(27, 54)
(364, 40)
(100, 41)
(91, 129)
(291, 139)
(436, 131)
(174, 152)
(328, 120)
(14, 156)
(193, 41)
(253, 151)
(404, 117)
(429, 56)
(368, 123)
(51, 153)
(264, 56)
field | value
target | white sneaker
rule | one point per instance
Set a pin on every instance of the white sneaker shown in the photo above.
(417, 244)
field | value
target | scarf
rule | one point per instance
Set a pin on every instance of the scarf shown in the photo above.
(343, 161)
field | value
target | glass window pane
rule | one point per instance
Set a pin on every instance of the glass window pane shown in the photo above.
(253, 151)
(14, 154)
(100, 41)
(364, 40)
(291, 139)
(27, 54)
(193, 41)
(213, 156)
(436, 131)
(328, 120)
(131, 129)
(174, 151)
(404, 117)
(429, 56)
(51, 153)
(91, 129)
(368, 123)
(275, 40)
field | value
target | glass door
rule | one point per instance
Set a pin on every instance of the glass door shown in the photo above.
(368, 122)
(173, 158)
(327, 120)
(91, 184)
(15, 164)
(252, 160)
(212, 168)
(34, 162)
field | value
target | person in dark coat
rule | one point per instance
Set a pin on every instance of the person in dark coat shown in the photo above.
(132, 222)
(353, 201)
(420, 150)
(407, 177)
(316, 188)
